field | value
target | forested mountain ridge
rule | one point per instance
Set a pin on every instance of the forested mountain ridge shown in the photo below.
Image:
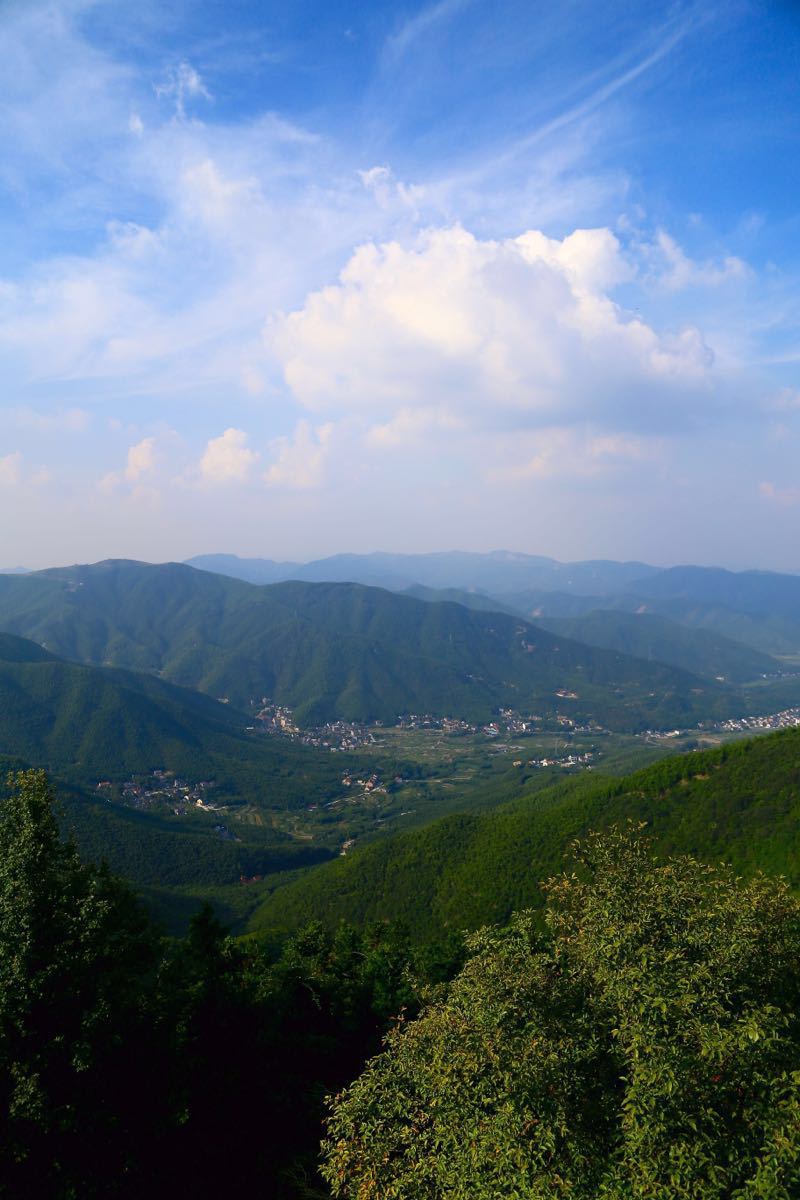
(341, 650)
(767, 633)
(740, 803)
(90, 723)
(653, 637)
(763, 593)
(761, 609)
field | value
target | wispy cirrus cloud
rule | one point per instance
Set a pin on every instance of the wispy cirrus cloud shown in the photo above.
(473, 282)
(428, 19)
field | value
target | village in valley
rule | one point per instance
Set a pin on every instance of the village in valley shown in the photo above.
(401, 773)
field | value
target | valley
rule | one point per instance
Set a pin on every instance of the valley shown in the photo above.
(221, 731)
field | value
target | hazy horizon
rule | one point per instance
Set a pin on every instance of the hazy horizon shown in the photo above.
(6, 568)
(294, 280)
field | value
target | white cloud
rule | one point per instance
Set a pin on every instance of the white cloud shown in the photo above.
(300, 460)
(227, 458)
(141, 460)
(11, 469)
(421, 25)
(140, 466)
(566, 453)
(674, 270)
(410, 426)
(380, 182)
(183, 83)
(15, 473)
(151, 237)
(496, 332)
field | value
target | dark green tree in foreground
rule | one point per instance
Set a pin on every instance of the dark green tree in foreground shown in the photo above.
(645, 1045)
(77, 1053)
(132, 1066)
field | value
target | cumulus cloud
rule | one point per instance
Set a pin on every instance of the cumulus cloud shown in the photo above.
(14, 472)
(141, 460)
(176, 227)
(11, 469)
(409, 426)
(381, 183)
(227, 459)
(523, 331)
(139, 467)
(300, 459)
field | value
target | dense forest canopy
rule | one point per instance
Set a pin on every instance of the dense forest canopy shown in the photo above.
(646, 1044)
(645, 1038)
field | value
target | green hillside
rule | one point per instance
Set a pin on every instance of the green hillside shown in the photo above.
(653, 637)
(764, 593)
(342, 650)
(88, 723)
(770, 633)
(740, 803)
(477, 600)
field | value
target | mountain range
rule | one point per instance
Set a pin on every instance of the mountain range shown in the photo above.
(122, 668)
(497, 572)
(343, 650)
(760, 609)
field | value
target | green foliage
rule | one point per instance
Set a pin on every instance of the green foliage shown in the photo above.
(133, 1067)
(643, 1041)
(647, 1044)
(150, 850)
(259, 1039)
(740, 803)
(75, 951)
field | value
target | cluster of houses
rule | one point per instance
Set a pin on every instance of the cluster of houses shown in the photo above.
(426, 721)
(163, 788)
(371, 784)
(279, 719)
(787, 719)
(334, 735)
(564, 760)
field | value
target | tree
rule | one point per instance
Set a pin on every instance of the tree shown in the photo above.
(76, 1082)
(644, 1044)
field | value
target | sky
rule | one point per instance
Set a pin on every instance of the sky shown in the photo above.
(294, 279)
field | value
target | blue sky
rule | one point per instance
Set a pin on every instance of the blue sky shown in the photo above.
(293, 279)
